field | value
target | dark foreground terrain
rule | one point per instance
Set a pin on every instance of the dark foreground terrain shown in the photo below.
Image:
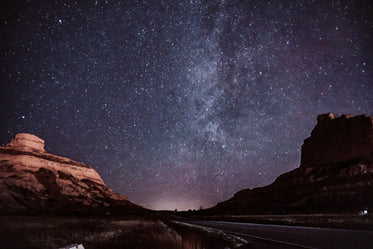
(105, 233)
(169, 232)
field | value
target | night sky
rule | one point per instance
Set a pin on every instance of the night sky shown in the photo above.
(179, 104)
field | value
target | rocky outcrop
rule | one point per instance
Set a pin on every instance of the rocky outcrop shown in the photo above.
(27, 142)
(335, 175)
(335, 140)
(33, 180)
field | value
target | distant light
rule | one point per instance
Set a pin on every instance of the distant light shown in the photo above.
(59, 21)
(363, 212)
(172, 204)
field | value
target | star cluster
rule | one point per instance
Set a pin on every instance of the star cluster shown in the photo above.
(179, 104)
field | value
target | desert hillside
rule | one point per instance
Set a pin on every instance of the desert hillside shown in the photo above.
(33, 180)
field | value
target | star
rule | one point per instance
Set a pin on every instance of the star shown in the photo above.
(180, 104)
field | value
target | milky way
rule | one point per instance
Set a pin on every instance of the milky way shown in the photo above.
(179, 104)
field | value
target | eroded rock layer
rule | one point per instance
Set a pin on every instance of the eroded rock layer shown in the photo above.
(35, 181)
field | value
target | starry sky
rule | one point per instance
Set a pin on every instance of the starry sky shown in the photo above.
(179, 104)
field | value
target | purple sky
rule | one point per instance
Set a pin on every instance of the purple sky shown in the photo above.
(179, 104)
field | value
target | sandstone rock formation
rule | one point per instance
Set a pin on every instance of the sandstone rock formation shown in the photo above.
(335, 175)
(27, 142)
(35, 181)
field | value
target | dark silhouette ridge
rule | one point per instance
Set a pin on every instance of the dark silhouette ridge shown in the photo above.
(335, 175)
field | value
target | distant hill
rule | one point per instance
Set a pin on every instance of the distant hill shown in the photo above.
(335, 175)
(33, 180)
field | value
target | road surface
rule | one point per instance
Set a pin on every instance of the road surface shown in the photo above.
(279, 236)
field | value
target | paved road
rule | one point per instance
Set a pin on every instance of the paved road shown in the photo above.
(295, 236)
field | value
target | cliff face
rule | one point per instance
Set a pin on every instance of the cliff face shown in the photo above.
(335, 140)
(336, 174)
(35, 181)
